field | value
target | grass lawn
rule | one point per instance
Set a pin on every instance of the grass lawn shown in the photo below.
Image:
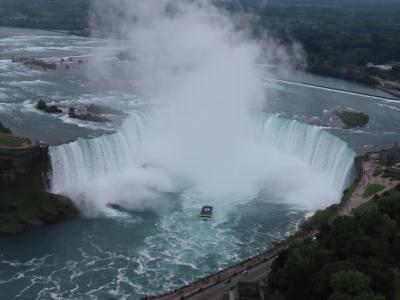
(7, 140)
(370, 205)
(372, 189)
(374, 202)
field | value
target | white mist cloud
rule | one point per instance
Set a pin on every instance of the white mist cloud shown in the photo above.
(200, 76)
(191, 60)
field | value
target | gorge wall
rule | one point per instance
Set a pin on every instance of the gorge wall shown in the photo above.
(20, 162)
(24, 200)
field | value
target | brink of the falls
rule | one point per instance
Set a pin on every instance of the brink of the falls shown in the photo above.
(304, 165)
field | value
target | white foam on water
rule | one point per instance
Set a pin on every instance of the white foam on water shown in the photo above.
(4, 94)
(389, 106)
(27, 83)
(87, 124)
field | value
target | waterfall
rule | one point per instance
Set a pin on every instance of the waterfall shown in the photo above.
(76, 165)
(83, 159)
(321, 150)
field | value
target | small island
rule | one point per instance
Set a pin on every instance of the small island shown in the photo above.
(352, 119)
(87, 116)
(34, 62)
(50, 109)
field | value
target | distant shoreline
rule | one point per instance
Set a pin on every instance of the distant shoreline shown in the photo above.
(333, 89)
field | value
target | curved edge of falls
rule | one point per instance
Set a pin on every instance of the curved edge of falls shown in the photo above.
(84, 159)
(321, 150)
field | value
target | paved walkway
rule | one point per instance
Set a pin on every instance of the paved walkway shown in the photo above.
(214, 286)
(369, 167)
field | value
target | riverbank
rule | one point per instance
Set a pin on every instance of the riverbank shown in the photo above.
(354, 257)
(24, 200)
(374, 182)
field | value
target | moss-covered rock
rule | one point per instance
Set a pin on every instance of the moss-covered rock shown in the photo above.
(24, 199)
(51, 109)
(26, 204)
(352, 119)
(87, 116)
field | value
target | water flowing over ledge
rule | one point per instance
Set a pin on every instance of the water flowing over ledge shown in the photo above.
(321, 150)
(76, 165)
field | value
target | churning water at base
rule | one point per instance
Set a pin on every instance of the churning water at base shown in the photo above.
(151, 249)
(133, 254)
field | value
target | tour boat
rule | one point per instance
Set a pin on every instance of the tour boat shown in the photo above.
(206, 212)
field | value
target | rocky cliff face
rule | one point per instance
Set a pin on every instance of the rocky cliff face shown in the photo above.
(20, 162)
(24, 200)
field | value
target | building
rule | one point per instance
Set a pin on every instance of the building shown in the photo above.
(380, 67)
(391, 157)
(395, 170)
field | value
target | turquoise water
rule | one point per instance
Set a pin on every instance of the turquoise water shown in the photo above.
(130, 255)
(125, 255)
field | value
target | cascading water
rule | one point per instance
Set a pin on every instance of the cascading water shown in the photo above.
(201, 144)
(319, 149)
(112, 162)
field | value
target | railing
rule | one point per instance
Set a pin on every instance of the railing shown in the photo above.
(212, 280)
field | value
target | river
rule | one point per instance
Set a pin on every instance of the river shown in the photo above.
(127, 254)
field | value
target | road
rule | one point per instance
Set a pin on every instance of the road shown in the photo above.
(216, 292)
(214, 286)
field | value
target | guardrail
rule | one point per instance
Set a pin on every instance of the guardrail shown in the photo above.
(211, 280)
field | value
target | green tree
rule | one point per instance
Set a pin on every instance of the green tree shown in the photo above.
(352, 283)
(369, 296)
(339, 296)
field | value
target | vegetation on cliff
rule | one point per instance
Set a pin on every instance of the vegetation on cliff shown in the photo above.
(4, 129)
(353, 258)
(372, 189)
(24, 200)
(7, 139)
(26, 203)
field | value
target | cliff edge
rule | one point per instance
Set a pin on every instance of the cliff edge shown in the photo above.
(24, 199)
